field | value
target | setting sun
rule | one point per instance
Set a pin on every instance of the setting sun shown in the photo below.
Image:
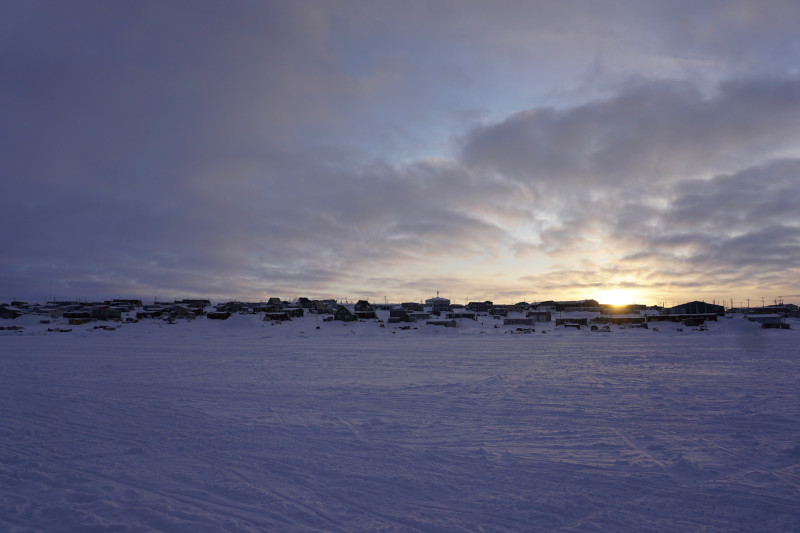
(616, 297)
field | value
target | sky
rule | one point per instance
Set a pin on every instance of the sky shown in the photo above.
(623, 150)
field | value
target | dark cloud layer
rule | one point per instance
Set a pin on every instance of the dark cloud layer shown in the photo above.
(345, 149)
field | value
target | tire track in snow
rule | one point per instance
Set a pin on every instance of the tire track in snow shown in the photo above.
(632, 445)
(293, 501)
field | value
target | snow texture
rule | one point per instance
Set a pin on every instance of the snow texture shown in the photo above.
(241, 425)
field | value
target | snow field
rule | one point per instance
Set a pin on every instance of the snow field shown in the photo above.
(244, 426)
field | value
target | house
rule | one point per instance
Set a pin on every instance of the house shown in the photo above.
(480, 307)
(329, 303)
(412, 306)
(233, 307)
(572, 322)
(769, 321)
(128, 304)
(277, 316)
(548, 305)
(10, 312)
(399, 315)
(539, 316)
(463, 314)
(445, 323)
(218, 315)
(319, 307)
(182, 311)
(517, 321)
(499, 310)
(697, 308)
(363, 306)
(344, 314)
(569, 305)
(682, 318)
(52, 312)
(629, 319)
(78, 314)
(778, 309)
(693, 322)
(106, 312)
(195, 303)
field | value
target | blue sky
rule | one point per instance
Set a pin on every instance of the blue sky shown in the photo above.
(615, 150)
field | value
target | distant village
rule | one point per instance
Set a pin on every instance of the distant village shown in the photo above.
(435, 311)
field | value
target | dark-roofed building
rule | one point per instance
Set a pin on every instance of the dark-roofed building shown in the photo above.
(10, 312)
(518, 322)
(344, 314)
(480, 307)
(696, 308)
(463, 314)
(363, 305)
(539, 316)
(106, 312)
(195, 303)
(233, 307)
(399, 315)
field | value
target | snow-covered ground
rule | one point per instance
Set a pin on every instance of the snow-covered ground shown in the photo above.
(244, 426)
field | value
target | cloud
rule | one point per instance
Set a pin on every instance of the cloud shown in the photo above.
(275, 147)
(651, 132)
(298, 227)
(736, 232)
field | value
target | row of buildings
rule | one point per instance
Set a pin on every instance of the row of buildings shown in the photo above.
(433, 309)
